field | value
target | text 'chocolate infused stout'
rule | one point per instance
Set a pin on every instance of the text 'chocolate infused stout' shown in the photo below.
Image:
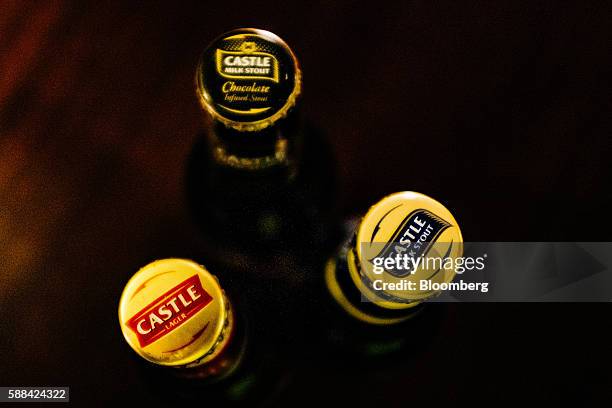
(260, 180)
(174, 314)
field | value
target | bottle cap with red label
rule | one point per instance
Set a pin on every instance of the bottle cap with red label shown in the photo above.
(173, 312)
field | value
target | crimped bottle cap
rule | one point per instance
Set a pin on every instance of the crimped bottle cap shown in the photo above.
(248, 79)
(173, 312)
(405, 223)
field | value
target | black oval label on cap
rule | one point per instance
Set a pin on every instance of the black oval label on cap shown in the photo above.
(248, 76)
(414, 236)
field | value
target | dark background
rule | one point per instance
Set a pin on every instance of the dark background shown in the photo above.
(500, 110)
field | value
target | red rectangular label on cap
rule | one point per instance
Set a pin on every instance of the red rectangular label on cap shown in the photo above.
(169, 311)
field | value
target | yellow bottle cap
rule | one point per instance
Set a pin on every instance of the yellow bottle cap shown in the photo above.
(173, 312)
(411, 224)
(248, 79)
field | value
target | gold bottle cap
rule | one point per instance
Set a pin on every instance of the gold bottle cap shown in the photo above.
(248, 79)
(173, 312)
(405, 223)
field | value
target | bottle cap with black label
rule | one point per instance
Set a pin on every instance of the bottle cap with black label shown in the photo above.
(248, 79)
(173, 312)
(404, 242)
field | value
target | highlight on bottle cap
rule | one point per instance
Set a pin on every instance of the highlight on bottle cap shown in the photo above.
(248, 79)
(173, 312)
(406, 246)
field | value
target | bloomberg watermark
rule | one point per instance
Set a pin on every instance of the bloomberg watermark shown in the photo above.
(496, 272)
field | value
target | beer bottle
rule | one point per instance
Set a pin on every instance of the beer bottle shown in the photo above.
(373, 311)
(174, 314)
(260, 180)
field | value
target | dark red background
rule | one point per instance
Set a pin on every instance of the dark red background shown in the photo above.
(501, 110)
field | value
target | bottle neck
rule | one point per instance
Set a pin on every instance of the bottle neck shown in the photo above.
(349, 298)
(274, 146)
(223, 359)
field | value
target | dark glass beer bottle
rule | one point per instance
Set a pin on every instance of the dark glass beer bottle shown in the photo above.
(375, 311)
(194, 346)
(260, 180)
